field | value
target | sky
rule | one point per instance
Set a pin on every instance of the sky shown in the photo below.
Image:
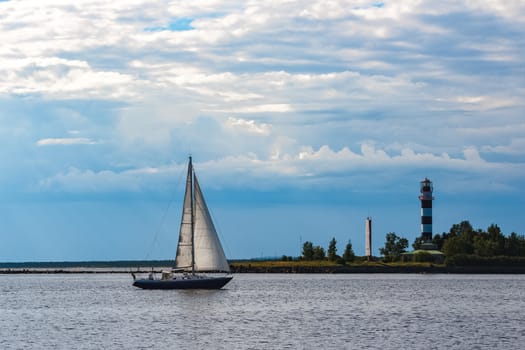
(302, 118)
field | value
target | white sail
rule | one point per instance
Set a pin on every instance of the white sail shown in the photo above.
(198, 237)
(184, 253)
(209, 255)
(198, 250)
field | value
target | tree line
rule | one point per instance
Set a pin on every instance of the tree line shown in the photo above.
(462, 240)
(461, 243)
(314, 252)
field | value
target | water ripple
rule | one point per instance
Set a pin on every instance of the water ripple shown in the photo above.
(265, 312)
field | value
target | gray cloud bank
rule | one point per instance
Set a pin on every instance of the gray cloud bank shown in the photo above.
(309, 93)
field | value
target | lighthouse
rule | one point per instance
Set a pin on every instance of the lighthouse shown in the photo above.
(426, 198)
(368, 238)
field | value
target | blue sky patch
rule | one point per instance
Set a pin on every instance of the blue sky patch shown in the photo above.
(178, 25)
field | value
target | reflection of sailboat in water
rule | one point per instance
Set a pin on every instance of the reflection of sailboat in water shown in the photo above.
(199, 248)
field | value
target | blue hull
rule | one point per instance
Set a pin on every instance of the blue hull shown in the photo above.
(191, 283)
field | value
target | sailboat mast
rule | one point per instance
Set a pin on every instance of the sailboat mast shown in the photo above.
(190, 171)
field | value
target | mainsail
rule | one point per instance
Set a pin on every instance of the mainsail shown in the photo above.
(199, 248)
(184, 248)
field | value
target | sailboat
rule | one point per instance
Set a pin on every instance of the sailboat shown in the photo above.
(199, 249)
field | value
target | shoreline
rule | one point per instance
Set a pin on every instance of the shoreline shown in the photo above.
(239, 269)
(410, 269)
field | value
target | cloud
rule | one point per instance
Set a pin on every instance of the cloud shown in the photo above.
(288, 90)
(76, 180)
(66, 141)
(516, 146)
(275, 108)
(324, 167)
(88, 181)
(471, 103)
(61, 78)
(249, 126)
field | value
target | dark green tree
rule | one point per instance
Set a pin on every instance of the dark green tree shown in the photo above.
(394, 246)
(308, 251)
(483, 246)
(439, 240)
(497, 239)
(457, 245)
(460, 239)
(348, 254)
(464, 228)
(417, 243)
(332, 250)
(515, 245)
(319, 253)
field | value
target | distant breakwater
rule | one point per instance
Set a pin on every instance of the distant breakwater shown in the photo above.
(70, 270)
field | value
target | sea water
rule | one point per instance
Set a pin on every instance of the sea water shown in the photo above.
(265, 311)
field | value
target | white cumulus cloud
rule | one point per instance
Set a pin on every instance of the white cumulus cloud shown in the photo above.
(66, 141)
